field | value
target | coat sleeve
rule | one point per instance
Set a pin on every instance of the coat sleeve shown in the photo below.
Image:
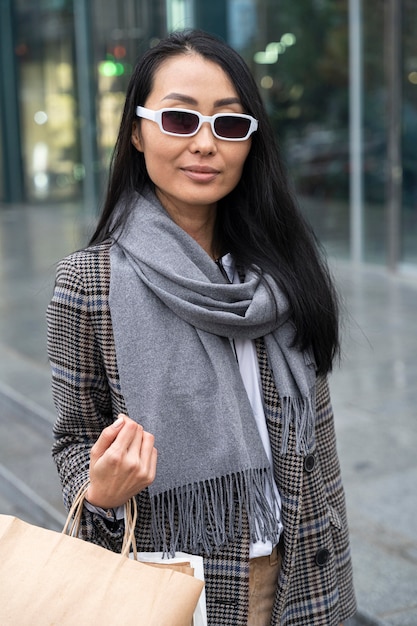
(80, 385)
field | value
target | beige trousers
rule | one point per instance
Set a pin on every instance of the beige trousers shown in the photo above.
(263, 577)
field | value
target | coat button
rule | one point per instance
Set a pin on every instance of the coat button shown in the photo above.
(322, 556)
(309, 463)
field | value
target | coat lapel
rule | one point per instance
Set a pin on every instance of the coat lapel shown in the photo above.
(288, 473)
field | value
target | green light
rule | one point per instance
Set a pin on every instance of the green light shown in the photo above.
(110, 68)
(288, 39)
(120, 70)
(107, 68)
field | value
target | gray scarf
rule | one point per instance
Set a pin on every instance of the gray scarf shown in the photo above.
(173, 316)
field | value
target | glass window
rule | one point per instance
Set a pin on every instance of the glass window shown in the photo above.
(45, 53)
(409, 134)
(298, 53)
(374, 155)
(180, 14)
(299, 56)
(121, 34)
(1, 163)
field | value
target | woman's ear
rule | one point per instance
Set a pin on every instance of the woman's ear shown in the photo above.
(136, 138)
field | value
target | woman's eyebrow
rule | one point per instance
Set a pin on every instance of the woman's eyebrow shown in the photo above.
(181, 97)
(190, 100)
(226, 101)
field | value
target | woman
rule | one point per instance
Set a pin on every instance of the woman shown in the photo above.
(190, 344)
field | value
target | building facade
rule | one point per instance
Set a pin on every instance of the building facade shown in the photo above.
(338, 77)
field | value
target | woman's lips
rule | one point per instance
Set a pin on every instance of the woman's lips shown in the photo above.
(200, 173)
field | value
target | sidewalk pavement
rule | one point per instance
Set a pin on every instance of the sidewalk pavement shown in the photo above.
(374, 396)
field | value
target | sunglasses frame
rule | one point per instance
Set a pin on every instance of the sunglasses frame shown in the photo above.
(156, 116)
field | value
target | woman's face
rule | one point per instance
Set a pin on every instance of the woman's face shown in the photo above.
(191, 174)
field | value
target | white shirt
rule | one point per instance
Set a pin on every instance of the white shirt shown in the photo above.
(249, 370)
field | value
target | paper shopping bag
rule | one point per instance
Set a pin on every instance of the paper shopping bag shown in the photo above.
(183, 562)
(52, 579)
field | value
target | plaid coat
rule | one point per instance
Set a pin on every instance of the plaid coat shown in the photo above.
(315, 583)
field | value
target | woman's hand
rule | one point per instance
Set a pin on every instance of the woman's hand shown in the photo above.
(122, 463)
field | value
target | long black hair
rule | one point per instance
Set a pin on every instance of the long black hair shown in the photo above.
(259, 222)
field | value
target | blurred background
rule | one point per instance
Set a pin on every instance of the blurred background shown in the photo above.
(339, 79)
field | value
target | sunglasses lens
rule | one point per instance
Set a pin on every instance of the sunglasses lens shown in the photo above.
(179, 122)
(232, 127)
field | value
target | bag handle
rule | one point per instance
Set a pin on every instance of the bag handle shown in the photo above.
(73, 521)
(129, 540)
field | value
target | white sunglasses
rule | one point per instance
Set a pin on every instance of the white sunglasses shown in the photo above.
(227, 126)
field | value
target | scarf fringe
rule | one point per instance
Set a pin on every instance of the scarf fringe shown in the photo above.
(204, 517)
(299, 413)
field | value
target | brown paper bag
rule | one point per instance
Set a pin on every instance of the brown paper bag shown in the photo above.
(189, 563)
(51, 579)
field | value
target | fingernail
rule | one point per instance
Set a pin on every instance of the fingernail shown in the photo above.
(117, 423)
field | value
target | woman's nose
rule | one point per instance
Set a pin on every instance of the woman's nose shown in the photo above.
(204, 141)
